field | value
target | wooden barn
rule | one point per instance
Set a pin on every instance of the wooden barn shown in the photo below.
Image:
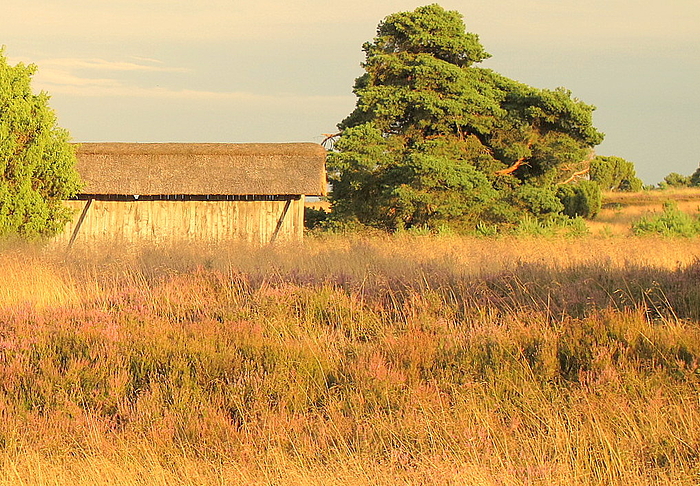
(212, 192)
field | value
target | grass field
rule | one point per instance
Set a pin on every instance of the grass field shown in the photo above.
(353, 361)
(621, 209)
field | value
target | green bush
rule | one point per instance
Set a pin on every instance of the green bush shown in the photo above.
(695, 178)
(672, 222)
(583, 199)
(555, 225)
(675, 179)
(314, 218)
(615, 174)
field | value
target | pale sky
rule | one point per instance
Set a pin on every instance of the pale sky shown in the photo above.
(281, 71)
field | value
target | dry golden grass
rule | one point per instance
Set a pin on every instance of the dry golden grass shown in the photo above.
(621, 209)
(353, 361)
(31, 280)
(687, 194)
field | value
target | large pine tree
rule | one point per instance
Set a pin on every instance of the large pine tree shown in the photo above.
(436, 140)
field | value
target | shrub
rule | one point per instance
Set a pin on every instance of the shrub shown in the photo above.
(314, 218)
(672, 222)
(695, 178)
(676, 180)
(615, 174)
(583, 199)
(554, 225)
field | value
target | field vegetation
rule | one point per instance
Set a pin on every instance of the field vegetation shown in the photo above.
(353, 360)
(622, 211)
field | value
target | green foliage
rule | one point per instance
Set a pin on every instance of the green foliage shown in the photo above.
(615, 174)
(583, 199)
(675, 179)
(435, 140)
(550, 227)
(695, 178)
(672, 222)
(314, 218)
(535, 200)
(36, 161)
(485, 230)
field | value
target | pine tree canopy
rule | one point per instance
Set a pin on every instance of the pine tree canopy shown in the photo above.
(436, 140)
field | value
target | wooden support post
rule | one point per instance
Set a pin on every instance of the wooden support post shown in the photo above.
(280, 221)
(79, 223)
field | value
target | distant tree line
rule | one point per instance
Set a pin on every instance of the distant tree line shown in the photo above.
(677, 180)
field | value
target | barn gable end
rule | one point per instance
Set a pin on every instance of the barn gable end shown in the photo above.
(154, 191)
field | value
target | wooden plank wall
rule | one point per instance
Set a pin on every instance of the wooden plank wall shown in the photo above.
(134, 221)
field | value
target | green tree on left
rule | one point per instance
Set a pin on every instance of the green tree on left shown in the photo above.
(37, 162)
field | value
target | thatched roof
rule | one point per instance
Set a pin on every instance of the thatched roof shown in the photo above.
(202, 168)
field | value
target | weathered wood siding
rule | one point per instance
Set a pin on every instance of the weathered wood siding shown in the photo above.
(133, 221)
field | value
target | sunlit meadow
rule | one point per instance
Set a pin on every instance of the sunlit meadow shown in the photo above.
(353, 360)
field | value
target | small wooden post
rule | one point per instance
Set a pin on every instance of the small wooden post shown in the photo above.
(79, 223)
(281, 220)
